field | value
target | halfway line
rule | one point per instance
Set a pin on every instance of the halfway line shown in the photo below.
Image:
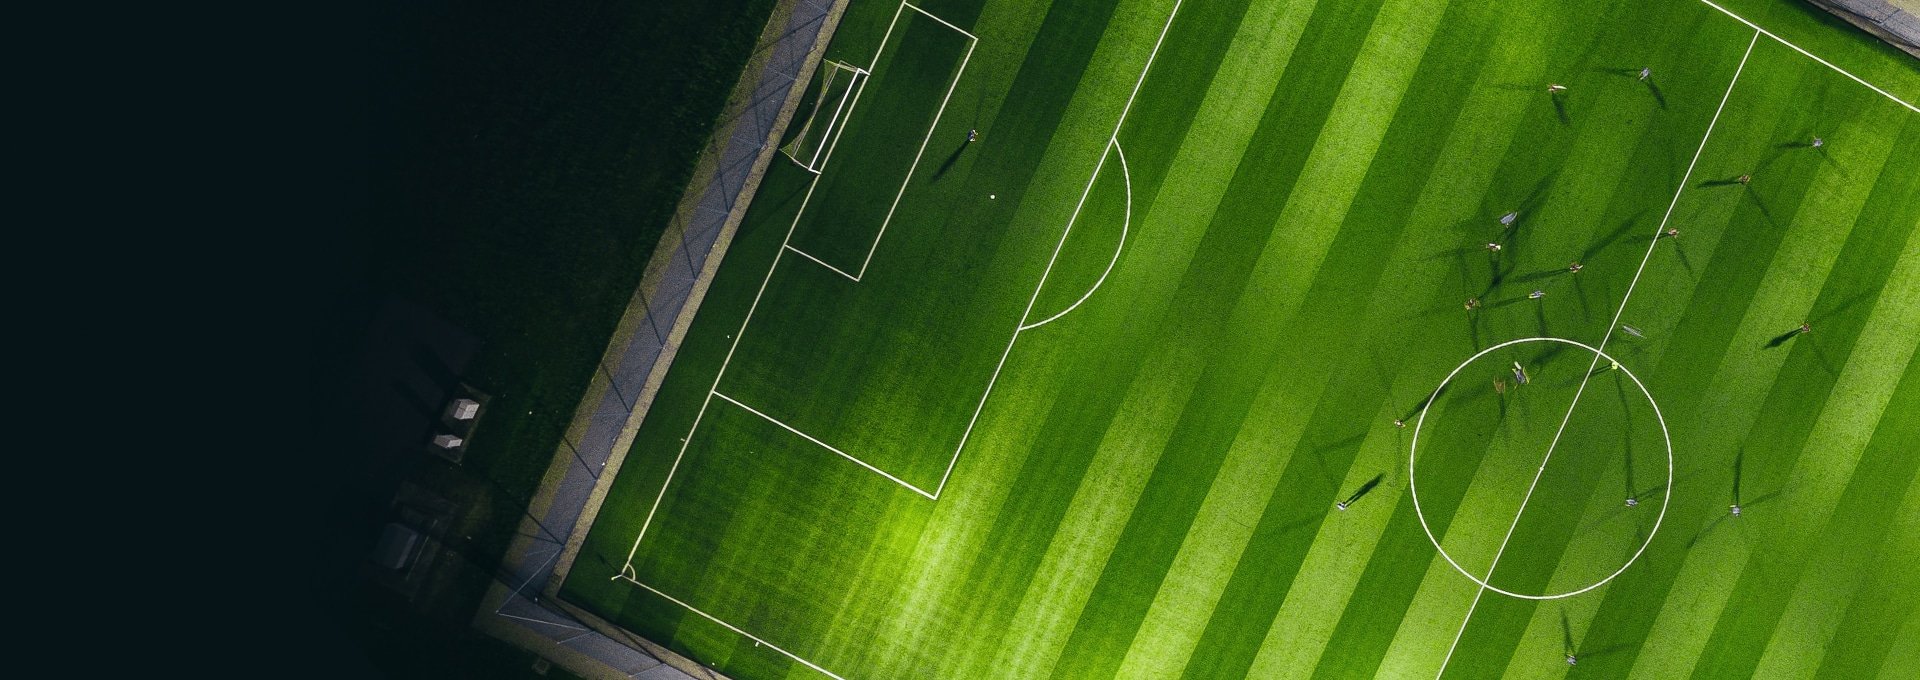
(1596, 357)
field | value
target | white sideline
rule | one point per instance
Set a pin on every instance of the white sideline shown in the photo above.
(1810, 55)
(757, 295)
(1602, 347)
(733, 628)
(824, 445)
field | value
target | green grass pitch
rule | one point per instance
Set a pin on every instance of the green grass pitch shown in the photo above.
(1078, 399)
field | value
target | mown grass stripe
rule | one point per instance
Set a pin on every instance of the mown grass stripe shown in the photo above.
(1812, 490)
(1769, 416)
(1698, 343)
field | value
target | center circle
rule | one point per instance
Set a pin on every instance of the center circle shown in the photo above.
(1414, 448)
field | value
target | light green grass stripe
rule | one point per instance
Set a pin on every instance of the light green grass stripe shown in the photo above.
(1196, 180)
(1838, 439)
(1465, 168)
(1903, 659)
(1819, 604)
(1748, 371)
(1345, 149)
(1263, 46)
(984, 477)
(1315, 209)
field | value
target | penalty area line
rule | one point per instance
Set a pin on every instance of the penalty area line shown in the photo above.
(824, 445)
(1482, 590)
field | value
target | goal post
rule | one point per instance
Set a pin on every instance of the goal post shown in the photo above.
(838, 84)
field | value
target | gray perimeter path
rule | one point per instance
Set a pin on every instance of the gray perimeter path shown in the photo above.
(522, 607)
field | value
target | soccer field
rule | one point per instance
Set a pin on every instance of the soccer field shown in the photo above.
(1202, 361)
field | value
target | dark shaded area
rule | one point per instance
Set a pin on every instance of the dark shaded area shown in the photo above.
(951, 159)
(522, 161)
(1782, 338)
(1364, 488)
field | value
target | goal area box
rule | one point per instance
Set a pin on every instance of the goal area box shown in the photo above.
(839, 86)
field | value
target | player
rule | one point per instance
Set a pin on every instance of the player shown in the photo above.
(1635, 332)
(1804, 329)
(1818, 142)
(1495, 247)
(1507, 219)
(973, 134)
(1399, 423)
(1645, 73)
(1746, 179)
(1575, 267)
(1519, 374)
(1473, 303)
(1631, 501)
(1735, 509)
(1673, 233)
(1556, 88)
(1537, 294)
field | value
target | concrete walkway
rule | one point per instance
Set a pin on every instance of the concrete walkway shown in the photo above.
(521, 607)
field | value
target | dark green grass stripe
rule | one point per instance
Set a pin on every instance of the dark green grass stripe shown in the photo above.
(880, 141)
(1321, 345)
(1701, 340)
(1373, 615)
(1553, 513)
(1208, 296)
(1654, 128)
(1843, 308)
(1080, 416)
(1892, 592)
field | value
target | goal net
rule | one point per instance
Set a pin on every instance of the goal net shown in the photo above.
(838, 86)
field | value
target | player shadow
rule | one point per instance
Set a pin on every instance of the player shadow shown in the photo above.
(1730, 181)
(1362, 491)
(951, 159)
(1542, 274)
(1658, 96)
(1503, 303)
(1611, 238)
(1782, 338)
(1566, 635)
(1560, 110)
(1424, 403)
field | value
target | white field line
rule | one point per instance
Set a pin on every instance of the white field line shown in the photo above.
(818, 261)
(1602, 346)
(761, 292)
(835, 123)
(825, 445)
(735, 629)
(1797, 48)
(917, 155)
(973, 42)
(930, 15)
(1113, 139)
(1126, 176)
